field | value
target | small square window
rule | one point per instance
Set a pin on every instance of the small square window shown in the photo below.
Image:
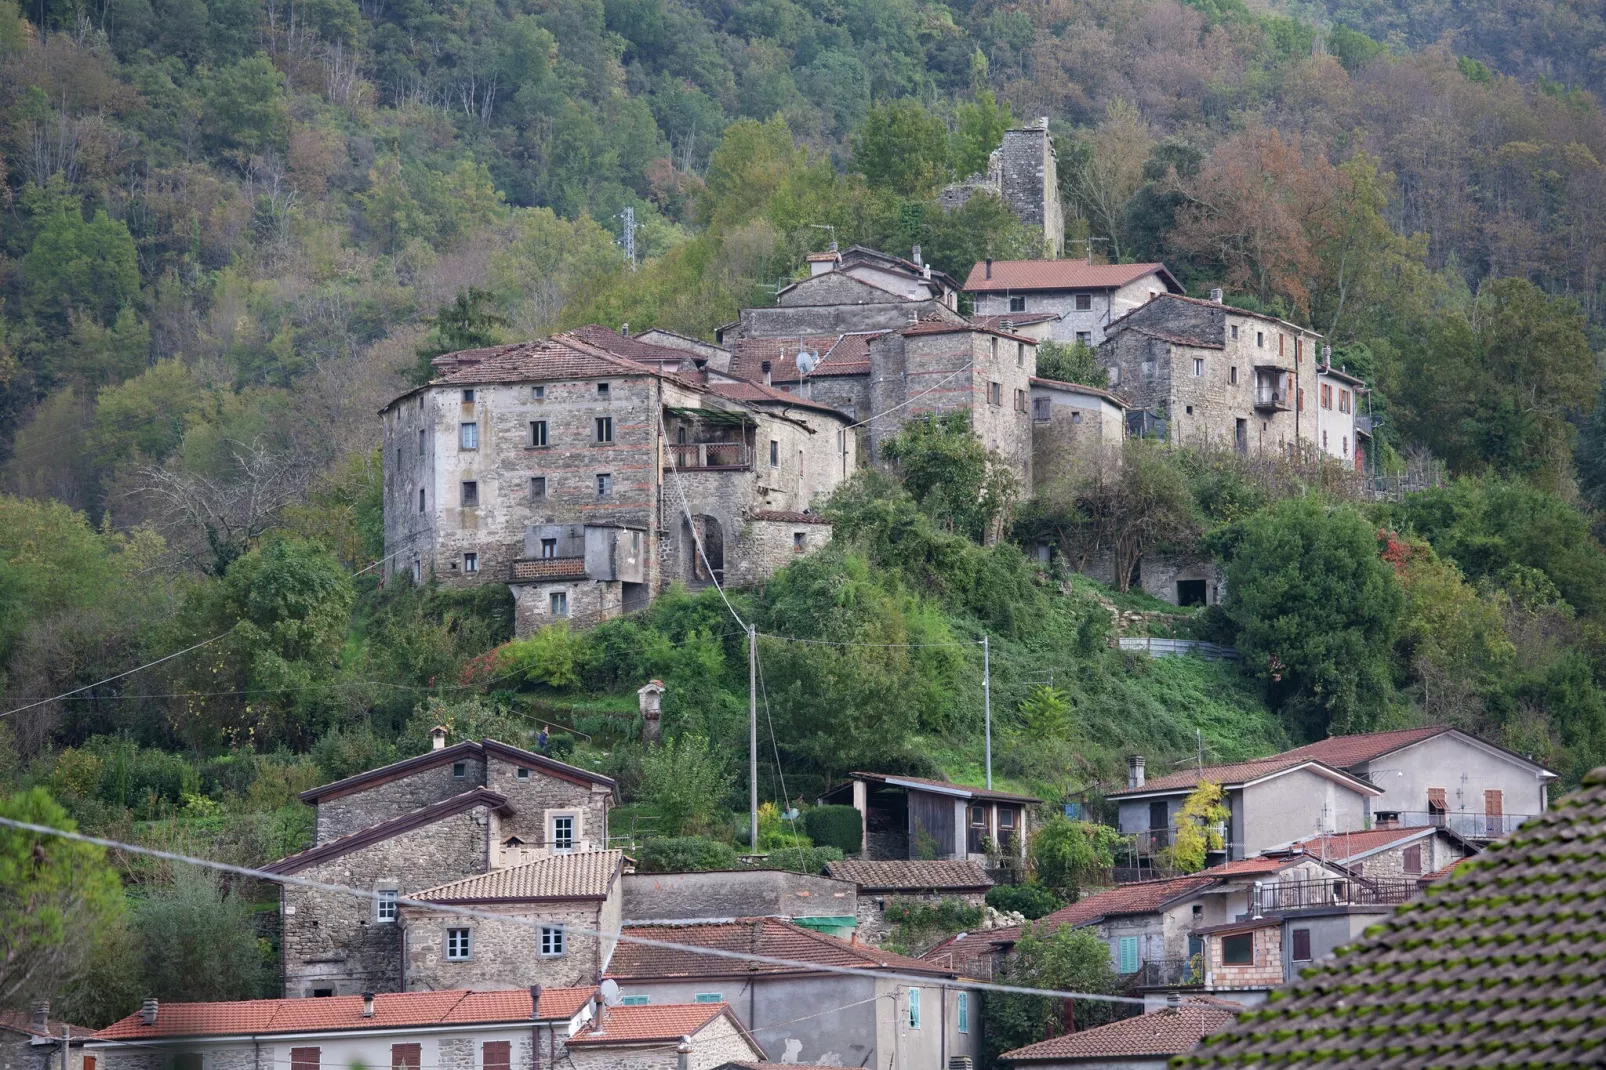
(604, 484)
(522, 773)
(602, 390)
(552, 943)
(1238, 950)
(459, 944)
(471, 562)
(559, 603)
(1017, 304)
(538, 437)
(1084, 302)
(468, 397)
(549, 548)
(471, 494)
(1189, 409)
(537, 488)
(538, 392)
(1084, 337)
(459, 770)
(798, 540)
(1076, 417)
(1235, 330)
(468, 435)
(604, 428)
(385, 905)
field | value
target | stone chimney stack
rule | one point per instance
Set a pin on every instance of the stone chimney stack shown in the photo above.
(41, 1015)
(1215, 294)
(650, 697)
(768, 371)
(437, 737)
(1134, 772)
(147, 1012)
(367, 1004)
(915, 255)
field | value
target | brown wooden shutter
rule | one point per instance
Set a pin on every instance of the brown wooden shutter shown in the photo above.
(406, 1057)
(1436, 801)
(1301, 948)
(89, 1062)
(305, 1058)
(1494, 803)
(1412, 863)
(497, 1055)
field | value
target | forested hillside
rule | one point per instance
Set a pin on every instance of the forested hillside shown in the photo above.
(233, 229)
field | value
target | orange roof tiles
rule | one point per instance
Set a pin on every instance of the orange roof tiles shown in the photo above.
(1060, 275)
(661, 1022)
(772, 937)
(22, 1022)
(1170, 1031)
(759, 394)
(909, 874)
(1342, 845)
(1139, 897)
(937, 326)
(840, 354)
(392, 1010)
(580, 875)
(1241, 773)
(1344, 751)
(624, 345)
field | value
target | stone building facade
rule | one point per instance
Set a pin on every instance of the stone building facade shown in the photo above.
(1219, 375)
(1082, 297)
(1074, 426)
(679, 1037)
(32, 1040)
(1023, 172)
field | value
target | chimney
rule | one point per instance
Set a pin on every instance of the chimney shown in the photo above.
(833, 245)
(1173, 1002)
(1327, 355)
(915, 256)
(1134, 771)
(1254, 903)
(683, 1054)
(767, 372)
(437, 737)
(535, 1001)
(599, 1017)
(1215, 294)
(624, 329)
(989, 267)
(41, 1015)
(367, 1004)
(147, 1012)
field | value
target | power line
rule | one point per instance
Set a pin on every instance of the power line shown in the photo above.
(119, 676)
(623, 936)
(691, 523)
(829, 642)
(909, 401)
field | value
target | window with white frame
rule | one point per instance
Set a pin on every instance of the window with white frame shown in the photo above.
(1017, 304)
(604, 484)
(538, 392)
(459, 944)
(385, 905)
(468, 435)
(1198, 366)
(552, 941)
(559, 601)
(561, 832)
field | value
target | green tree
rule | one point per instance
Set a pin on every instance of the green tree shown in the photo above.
(1073, 362)
(58, 901)
(1198, 830)
(245, 111)
(1046, 713)
(979, 127)
(1316, 612)
(684, 784)
(1053, 957)
(89, 267)
(471, 321)
(1067, 855)
(902, 148)
(957, 482)
(195, 941)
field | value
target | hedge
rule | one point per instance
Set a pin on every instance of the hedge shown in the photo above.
(835, 826)
(682, 854)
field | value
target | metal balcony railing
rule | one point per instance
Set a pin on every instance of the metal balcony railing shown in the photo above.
(1469, 825)
(1169, 972)
(1339, 891)
(687, 455)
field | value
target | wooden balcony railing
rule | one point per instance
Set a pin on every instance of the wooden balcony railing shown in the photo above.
(690, 455)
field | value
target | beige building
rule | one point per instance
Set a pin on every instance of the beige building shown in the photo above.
(1082, 298)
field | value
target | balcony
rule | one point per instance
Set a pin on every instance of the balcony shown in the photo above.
(1466, 825)
(1274, 400)
(688, 456)
(1281, 896)
(1165, 973)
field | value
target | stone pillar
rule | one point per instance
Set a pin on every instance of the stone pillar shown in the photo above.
(650, 696)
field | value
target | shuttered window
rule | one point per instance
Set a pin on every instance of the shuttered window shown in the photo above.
(406, 1057)
(1127, 955)
(305, 1058)
(1300, 941)
(1411, 863)
(496, 1055)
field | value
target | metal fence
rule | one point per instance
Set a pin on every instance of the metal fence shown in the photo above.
(710, 455)
(1339, 891)
(1175, 648)
(1469, 825)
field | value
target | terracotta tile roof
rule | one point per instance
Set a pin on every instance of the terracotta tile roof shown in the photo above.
(1440, 874)
(367, 837)
(22, 1022)
(392, 1010)
(623, 345)
(965, 791)
(773, 937)
(1081, 388)
(759, 394)
(937, 326)
(665, 1022)
(1340, 846)
(909, 875)
(1139, 897)
(1342, 752)
(581, 875)
(1163, 1032)
(840, 354)
(1196, 341)
(782, 516)
(1060, 275)
(1017, 319)
(1260, 864)
(468, 748)
(1502, 964)
(1241, 773)
(547, 359)
(549, 568)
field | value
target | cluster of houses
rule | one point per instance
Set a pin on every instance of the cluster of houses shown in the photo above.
(498, 929)
(591, 470)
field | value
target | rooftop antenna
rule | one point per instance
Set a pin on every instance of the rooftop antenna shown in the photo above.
(1088, 243)
(627, 235)
(827, 227)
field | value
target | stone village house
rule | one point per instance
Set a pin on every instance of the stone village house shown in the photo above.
(32, 1040)
(453, 812)
(1083, 298)
(881, 882)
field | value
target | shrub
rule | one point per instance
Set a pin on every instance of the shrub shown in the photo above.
(683, 854)
(1032, 901)
(802, 859)
(560, 747)
(835, 826)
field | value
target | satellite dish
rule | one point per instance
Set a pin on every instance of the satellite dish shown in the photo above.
(806, 361)
(610, 991)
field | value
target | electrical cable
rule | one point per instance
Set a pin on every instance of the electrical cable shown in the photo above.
(119, 676)
(623, 936)
(911, 400)
(685, 505)
(906, 646)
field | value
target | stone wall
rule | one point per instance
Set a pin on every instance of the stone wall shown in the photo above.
(1030, 183)
(345, 814)
(536, 798)
(18, 1052)
(823, 317)
(503, 955)
(739, 894)
(717, 1043)
(333, 941)
(872, 910)
(767, 545)
(1104, 307)
(1074, 440)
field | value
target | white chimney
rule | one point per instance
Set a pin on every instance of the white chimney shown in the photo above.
(147, 1012)
(1134, 771)
(367, 1004)
(437, 737)
(1215, 294)
(915, 255)
(768, 371)
(683, 1054)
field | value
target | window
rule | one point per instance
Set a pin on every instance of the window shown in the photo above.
(551, 941)
(1235, 330)
(1084, 302)
(563, 832)
(537, 488)
(798, 542)
(420, 443)
(468, 397)
(1127, 959)
(305, 1058)
(634, 1001)
(468, 435)
(604, 484)
(559, 603)
(1190, 410)
(549, 548)
(1411, 862)
(1260, 339)
(1020, 401)
(994, 341)
(1198, 367)
(1017, 304)
(1085, 337)
(406, 1056)
(471, 562)
(323, 993)
(471, 494)
(189, 1060)
(538, 392)
(1233, 375)
(1042, 408)
(709, 997)
(602, 390)
(1324, 440)
(459, 770)
(1006, 819)
(1238, 950)
(962, 1011)
(496, 1055)
(522, 773)
(538, 437)
(914, 1008)
(995, 394)
(385, 905)
(604, 428)
(775, 454)
(1299, 944)
(398, 457)
(458, 944)
(420, 499)
(1076, 417)
(1344, 401)
(1325, 398)
(1020, 354)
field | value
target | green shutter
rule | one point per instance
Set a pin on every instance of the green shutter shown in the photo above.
(963, 1007)
(1129, 955)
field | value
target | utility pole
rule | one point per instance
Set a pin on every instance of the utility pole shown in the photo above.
(752, 730)
(987, 704)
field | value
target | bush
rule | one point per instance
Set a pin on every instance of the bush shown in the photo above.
(835, 826)
(802, 859)
(1032, 901)
(560, 747)
(684, 854)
